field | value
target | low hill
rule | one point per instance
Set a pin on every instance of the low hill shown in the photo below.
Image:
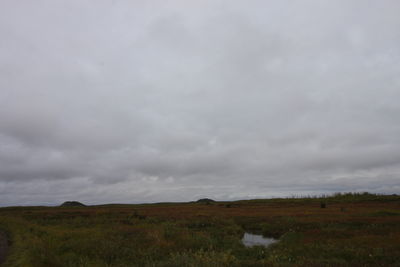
(72, 204)
(205, 200)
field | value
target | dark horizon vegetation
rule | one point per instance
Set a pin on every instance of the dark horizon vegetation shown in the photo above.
(343, 229)
(334, 196)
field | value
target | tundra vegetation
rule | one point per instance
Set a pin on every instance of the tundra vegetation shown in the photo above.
(350, 230)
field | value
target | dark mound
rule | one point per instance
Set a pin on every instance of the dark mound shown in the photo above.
(72, 204)
(205, 200)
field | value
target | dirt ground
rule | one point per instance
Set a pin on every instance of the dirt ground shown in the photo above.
(3, 247)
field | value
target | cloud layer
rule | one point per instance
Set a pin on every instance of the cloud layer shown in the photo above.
(142, 101)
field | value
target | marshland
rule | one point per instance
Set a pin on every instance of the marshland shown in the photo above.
(352, 229)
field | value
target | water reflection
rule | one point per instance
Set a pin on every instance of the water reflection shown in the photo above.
(250, 240)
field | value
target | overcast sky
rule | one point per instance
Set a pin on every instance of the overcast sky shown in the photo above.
(141, 101)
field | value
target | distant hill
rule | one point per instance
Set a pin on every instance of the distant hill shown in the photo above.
(72, 204)
(205, 200)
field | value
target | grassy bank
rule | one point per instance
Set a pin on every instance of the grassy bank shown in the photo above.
(351, 230)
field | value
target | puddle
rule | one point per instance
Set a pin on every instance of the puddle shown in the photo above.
(250, 240)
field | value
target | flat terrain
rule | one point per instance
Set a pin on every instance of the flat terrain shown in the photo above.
(352, 230)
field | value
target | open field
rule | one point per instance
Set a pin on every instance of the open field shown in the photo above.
(353, 230)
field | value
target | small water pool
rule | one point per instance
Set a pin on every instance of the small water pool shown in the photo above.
(250, 240)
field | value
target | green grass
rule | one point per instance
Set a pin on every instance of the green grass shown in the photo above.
(353, 230)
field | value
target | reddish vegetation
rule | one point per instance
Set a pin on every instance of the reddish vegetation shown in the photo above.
(352, 230)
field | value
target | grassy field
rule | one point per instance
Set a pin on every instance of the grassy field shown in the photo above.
(352, 230)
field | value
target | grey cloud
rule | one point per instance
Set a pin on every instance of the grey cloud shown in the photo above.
(116, 101)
